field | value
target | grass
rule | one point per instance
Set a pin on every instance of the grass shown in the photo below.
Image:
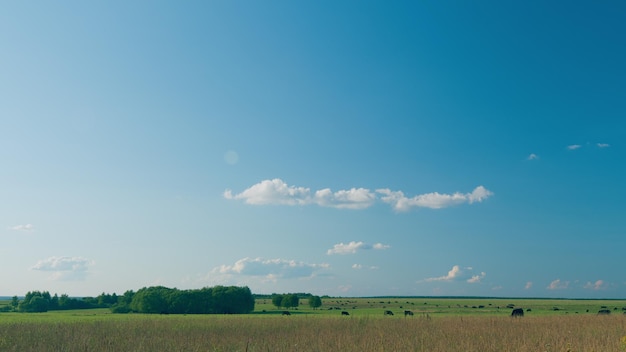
(438, 325)
(456, 306)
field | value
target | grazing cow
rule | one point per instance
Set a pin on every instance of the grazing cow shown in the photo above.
(388, 312)
(517, 312)
(604, 311)
(344, 313)
(408, 312)
(286, 312)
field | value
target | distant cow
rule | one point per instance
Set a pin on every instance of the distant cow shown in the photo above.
(343, 312)
(388, 312)
(604, 311)
(286, 312)
(517, 312)
(408, 312)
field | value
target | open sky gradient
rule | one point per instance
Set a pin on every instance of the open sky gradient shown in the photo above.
(351, 148)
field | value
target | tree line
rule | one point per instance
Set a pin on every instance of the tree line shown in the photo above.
(208, 300)
(156, 299)
(292, 300)
(42, 301)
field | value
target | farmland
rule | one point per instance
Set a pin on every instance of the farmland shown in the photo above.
(438, 324)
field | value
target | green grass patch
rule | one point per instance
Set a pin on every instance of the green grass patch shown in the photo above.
(448, 306)
(309, 331)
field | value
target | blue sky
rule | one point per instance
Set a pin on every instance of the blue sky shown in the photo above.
(349, 148)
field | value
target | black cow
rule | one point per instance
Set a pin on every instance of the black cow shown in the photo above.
(286, 312)
(343, 312)
(388, 312)
(517, 312)
(408, 312)
(604, 311)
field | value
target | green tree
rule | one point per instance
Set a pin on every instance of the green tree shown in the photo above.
(64, 301)
(34, 302)
(15, 302)
(218, 300)
(151, 300)
(54, 302)
(315, 302)
(123, 302)
(277, 300)
(232, 300)
(290, 300)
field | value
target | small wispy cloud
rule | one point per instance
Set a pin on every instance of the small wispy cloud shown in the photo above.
(65, 268)
(603, 145)
(459, 274)
(476, 278)
(23, 228)
(574, 146)
(270, 268)
(558, 285)
(353, 247)
(596, 286)
(434, 200)
(528, 285)
(360, 266)
(278, 192)
(532, 156)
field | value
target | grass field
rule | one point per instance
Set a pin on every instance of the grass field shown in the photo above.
(437, 325)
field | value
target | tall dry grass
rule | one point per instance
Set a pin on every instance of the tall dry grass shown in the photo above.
(318, 333)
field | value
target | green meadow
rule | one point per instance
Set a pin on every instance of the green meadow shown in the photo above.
(437, 324)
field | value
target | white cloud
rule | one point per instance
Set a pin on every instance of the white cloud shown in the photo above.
(355, 198)
(476, 278)
(603, 145)
(574, 146)
(433, 200)
(598, 285)
(65, 268)
(273, 192)
(558, 285)
(452, 274)
(528, 285)
(459, 274)
(353, 247)
(359, 267)
(23, 228)
(278, 192)
(344, 288)
(270, 268)
(533, 156)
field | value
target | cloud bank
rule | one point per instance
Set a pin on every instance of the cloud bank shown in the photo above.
(360, 266)
(435, 200)
(23, 228)
(65, 268)
(353, 247)
(278, 192)
(532, 156)
(596, 286)
(459, 274)
(578, 146)
(270, 268)
(558, 285)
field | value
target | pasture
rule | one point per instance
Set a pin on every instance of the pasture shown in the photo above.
(438, 324)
